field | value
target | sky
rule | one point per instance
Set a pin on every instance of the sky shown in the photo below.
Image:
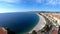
(29, 5)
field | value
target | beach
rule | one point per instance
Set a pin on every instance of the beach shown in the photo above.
(40, 24)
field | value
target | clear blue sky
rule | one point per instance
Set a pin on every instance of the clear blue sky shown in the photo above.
(29, 5)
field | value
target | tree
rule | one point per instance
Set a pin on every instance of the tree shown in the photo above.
(34, 32)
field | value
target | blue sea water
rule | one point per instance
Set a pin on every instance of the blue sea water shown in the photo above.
(19, 22)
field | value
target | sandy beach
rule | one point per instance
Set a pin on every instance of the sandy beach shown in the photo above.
(40, 24)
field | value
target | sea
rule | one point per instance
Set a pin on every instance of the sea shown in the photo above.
(19, 22)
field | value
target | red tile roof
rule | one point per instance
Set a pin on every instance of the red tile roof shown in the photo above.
(2, 31)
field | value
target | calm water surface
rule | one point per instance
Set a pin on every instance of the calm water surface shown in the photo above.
(19, 22)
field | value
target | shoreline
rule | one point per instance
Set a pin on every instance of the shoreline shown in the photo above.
(40, 24)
